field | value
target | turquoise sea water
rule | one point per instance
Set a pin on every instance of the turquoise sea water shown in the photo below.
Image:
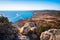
(14, 16)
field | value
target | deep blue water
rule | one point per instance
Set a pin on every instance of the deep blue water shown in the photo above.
(14, 16)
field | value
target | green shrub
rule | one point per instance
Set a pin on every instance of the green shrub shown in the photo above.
(42, 28)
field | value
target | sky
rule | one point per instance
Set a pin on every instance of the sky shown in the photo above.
(29, 5)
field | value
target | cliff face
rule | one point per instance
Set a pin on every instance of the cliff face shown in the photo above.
(43, 17)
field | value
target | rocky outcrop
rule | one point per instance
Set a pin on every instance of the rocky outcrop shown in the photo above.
(49, 34)
(54, 35)
(27, 32)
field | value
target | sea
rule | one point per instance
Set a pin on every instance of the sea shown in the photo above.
(14, 16)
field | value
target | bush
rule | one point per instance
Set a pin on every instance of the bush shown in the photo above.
(57, 27)
(4, 21)
(42, 28)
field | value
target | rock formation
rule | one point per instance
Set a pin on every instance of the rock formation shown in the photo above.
(29, 26)
(48, 35)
